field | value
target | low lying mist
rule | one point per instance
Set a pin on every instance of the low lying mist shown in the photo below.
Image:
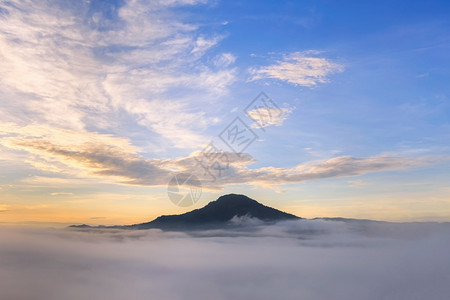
(302, 259)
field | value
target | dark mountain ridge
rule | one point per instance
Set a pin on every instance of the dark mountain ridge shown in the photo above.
(219, 214)
(215, 214)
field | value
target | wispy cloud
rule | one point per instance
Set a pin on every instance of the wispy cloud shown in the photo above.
(343, 166)
(103, 156)
(224, 60)
(357, 183)
(77, 67)
(61, 194)
(269, 116)
(299, 68)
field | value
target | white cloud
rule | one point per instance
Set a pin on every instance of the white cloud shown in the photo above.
(65, 66)
(299, 68)
(202, 44)
(264, 117)
(224, 60)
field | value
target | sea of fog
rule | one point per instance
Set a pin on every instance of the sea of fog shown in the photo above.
(304, 259)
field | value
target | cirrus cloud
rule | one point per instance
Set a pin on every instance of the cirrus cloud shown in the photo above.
(299, 68)
(87, 154)
(77, 66)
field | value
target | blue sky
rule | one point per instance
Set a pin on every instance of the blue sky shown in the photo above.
(103, 100)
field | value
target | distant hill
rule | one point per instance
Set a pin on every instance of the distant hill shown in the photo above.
(215, 214)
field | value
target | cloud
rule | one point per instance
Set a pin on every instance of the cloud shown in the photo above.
(87, 154)
(61, 194)
(224, 60)
(264, 117)
(357, 183)
(343, 166)
(299, 68)
(79, 67)
(202, 44)
(100, 160)
(306, 259)
(423, 75)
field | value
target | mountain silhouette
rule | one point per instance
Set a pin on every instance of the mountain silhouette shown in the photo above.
(215, 214)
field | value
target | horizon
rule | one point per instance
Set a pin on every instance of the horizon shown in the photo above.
(57, 224)
(344, 109)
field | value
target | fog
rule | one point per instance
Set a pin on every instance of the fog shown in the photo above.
(305, 259)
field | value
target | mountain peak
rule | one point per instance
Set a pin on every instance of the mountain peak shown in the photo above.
(233, 200)
(219, 212)
(232, 197)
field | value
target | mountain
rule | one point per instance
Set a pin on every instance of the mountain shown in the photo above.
(215, 214)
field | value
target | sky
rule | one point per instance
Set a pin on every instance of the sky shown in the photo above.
(345, 107)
